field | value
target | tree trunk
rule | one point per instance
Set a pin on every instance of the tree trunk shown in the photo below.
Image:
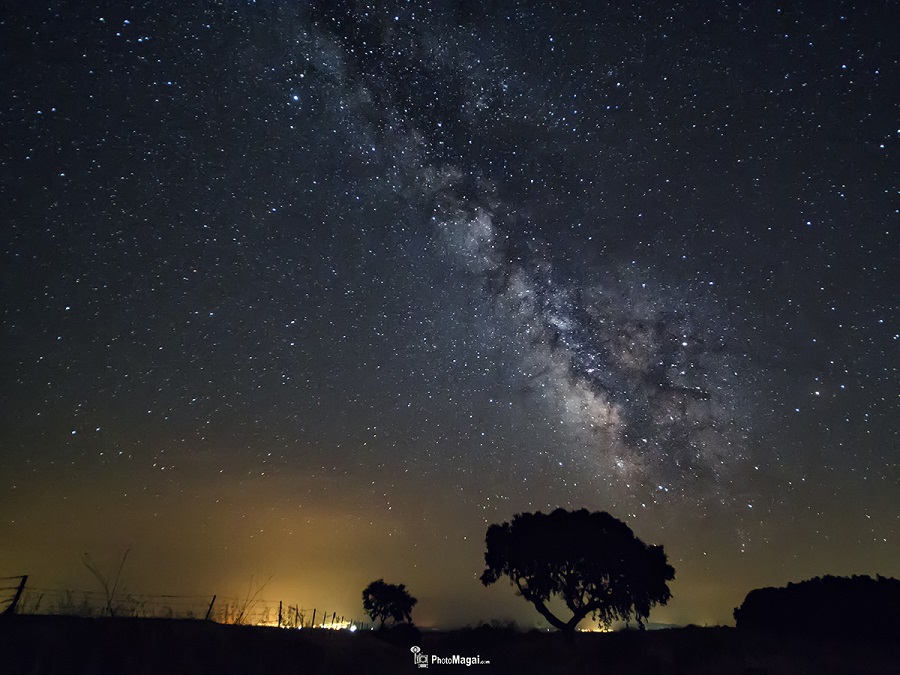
(572, 625)
(552, 619)
(567, 628)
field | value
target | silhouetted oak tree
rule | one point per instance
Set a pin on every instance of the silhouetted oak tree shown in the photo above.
(384, 601)
(592, 561)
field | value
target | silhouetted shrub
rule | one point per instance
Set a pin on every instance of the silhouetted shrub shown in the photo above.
(857, 605)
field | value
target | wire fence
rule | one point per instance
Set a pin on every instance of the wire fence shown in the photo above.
(19, 598)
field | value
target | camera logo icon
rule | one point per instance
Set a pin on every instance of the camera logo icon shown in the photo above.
(421, 660)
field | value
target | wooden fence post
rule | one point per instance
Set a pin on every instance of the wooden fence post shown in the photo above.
(9, 611)
(209, 611)
(279, 613)
(313, 622)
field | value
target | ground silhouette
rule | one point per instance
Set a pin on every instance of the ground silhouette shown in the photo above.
(62, 645)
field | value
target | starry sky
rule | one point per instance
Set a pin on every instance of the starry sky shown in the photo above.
(316, 291)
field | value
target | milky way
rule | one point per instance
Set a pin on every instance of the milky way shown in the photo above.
(646, 374)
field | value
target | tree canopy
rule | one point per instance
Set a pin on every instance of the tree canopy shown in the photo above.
(590, 560)
(383, 601)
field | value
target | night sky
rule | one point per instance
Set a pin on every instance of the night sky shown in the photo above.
(318, 291)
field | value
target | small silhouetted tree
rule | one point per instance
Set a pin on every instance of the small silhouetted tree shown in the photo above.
(592, 561)
(383, 601)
